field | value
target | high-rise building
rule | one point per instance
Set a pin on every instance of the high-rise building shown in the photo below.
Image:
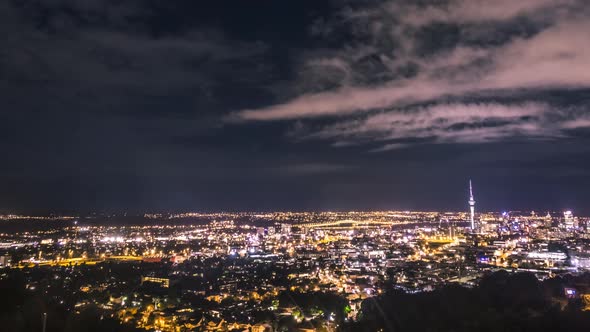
(285, 229)
(5, 261)
(271, 230)
(471, 206)
(260, 231)
(548, 219)
(569, 222)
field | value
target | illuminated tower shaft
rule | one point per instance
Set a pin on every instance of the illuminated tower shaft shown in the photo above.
(472, 206)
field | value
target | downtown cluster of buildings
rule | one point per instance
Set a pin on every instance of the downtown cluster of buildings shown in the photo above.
(247, 271)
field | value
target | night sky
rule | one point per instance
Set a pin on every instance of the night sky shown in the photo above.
(184, 105)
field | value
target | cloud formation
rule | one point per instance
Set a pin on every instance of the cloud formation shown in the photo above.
(78, 51)
(551, 54)
(475, 11)
(555, 58)
(451, 123)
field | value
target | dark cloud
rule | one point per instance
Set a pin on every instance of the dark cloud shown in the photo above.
(405, 54)
(117, 105)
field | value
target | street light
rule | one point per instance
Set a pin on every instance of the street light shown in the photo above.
(44, 321)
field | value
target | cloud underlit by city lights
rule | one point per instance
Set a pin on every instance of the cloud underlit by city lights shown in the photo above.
(471, 91)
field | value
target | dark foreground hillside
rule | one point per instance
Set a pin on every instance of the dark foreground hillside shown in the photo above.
(502, 302)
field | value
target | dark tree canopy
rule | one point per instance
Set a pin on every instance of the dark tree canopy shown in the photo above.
(501, 302)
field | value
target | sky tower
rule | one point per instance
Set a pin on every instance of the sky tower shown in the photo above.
(472, 206)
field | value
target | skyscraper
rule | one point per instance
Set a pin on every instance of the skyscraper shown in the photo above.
(569, 222)
(472, 206)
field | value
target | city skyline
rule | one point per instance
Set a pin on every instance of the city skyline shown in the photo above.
(294, 166)
(293, 271)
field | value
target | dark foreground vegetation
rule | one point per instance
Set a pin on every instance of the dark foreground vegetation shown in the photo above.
(501, 302)
(22, 310)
